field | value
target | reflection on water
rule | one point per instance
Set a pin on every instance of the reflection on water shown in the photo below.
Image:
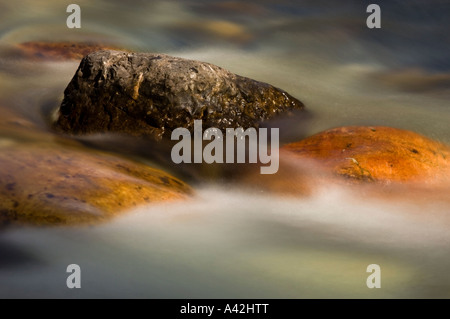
(232, 244)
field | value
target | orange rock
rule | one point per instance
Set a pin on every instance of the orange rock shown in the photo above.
(378, 163)
(376, 154)
(51, 184)
(59, 50)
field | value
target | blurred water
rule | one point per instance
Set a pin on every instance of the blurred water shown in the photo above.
(228, 243)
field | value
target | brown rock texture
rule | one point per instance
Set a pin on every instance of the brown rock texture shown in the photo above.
(46, 185)
(145, 94)
(376, 154)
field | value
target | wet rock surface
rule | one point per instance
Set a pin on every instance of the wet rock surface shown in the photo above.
(388, 165)
(145, 94)
(47, 185)
(376, 154)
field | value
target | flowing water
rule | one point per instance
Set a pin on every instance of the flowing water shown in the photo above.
(226, 242)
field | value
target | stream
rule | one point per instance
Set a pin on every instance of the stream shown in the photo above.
(226, 242)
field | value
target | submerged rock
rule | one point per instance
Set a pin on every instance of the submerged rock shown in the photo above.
(376, 154)
(45, 185)
(41, 50)
(380, 163)
(146, 94)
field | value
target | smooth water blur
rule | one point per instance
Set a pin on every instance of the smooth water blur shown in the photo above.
(229, 243)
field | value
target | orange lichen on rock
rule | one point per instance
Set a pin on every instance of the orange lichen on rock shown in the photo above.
(376, 154)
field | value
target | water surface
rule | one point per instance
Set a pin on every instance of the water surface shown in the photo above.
(226, 242)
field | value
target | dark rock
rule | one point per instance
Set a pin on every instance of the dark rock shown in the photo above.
(146, 94)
